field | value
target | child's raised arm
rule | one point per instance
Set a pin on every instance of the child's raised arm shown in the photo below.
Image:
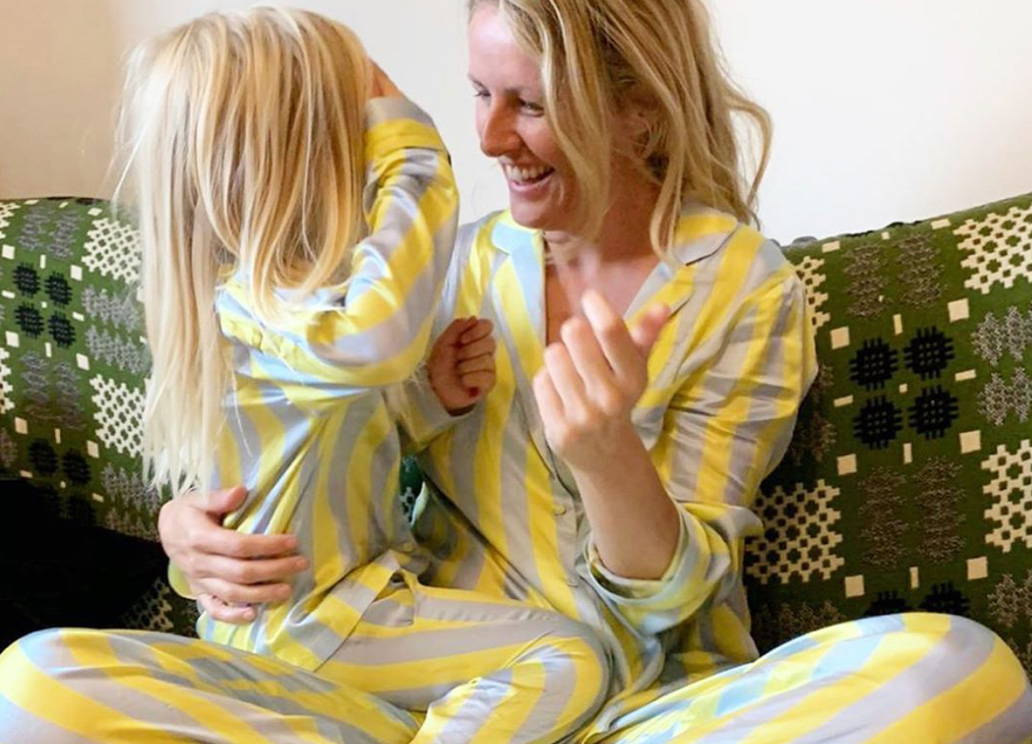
(373, 329)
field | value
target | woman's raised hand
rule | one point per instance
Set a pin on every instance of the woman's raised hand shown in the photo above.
(228, 571)
(593, 378)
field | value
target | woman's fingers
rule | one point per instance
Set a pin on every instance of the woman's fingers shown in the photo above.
(591, 363)
(612, 334)
(232, 593)
(219, 502)
(568, 384)
(224, 612)
(253, 571)
(211, 539)
(547, 397)
(647, 330)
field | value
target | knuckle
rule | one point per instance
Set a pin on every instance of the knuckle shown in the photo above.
(611, 330)
(610, 402)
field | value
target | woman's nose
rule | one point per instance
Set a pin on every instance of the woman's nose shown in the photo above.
(498, 135)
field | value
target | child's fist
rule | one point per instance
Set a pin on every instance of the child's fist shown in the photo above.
(461, 366)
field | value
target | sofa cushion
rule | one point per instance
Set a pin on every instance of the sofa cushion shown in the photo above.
(908, 483)
(65, 571)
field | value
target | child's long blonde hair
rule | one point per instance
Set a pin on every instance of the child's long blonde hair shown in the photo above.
(599, 57)
(243, 142)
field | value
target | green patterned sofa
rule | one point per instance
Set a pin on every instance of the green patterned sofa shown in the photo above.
(908, 484)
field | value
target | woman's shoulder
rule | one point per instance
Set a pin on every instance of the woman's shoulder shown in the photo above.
(707, 234)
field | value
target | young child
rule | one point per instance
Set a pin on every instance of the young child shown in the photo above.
(297, 217)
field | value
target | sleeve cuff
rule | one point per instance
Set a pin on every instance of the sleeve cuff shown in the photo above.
(621, 589)
(419, 410)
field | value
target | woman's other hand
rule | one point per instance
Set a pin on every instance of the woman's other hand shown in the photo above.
(227, 570)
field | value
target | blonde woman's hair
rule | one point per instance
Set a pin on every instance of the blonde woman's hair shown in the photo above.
(604, 57)
(242, 137)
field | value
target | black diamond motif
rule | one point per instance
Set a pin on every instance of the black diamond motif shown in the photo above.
(62, 331)
(887, 603)
(58, 289)
(946, 598)
(928, 353)
(29, 320)
(874, 364)
(878, 423)
(933, 412)
(43, 457)
(26, 279)
(76, 467)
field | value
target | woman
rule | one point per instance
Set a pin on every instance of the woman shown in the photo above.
(611, 484)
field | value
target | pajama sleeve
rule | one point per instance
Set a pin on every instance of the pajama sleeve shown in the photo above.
(373, 329)
(727, 426)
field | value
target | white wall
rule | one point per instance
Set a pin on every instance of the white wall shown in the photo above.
(884, 109)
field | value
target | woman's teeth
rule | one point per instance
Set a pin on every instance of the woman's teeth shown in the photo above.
(526, 175)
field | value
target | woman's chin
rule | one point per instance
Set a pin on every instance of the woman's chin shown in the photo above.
(536, 216)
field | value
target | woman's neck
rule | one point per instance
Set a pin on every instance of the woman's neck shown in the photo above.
(623, 237)
(615, 263)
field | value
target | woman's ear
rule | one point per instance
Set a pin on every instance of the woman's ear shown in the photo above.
(638, 114)
(639, 127)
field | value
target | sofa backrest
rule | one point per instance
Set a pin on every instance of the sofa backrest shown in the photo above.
(908, 484)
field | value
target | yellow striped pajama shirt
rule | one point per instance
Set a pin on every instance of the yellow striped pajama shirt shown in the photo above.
(309, 433)
(726, 377)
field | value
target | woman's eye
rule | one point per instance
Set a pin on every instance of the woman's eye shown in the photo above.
(480, 93)
(536, 109)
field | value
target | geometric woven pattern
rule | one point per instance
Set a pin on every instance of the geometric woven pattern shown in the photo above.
(923, 429)
(119, 415)
(809, 271)
(799, 540)
(1011, 489)
(112, 250)
(1000, 247)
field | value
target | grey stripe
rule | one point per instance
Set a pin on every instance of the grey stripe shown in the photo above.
(393, 335)
(18, 726)
(956, 657)
(1013, 726)
(51, 654)
(893, 699)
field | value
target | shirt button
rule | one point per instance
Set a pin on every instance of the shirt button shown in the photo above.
(572, 581)
(559, 510)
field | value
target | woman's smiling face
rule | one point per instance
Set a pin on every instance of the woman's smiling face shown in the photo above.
(512, 125)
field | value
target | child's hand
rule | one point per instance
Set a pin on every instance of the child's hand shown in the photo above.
(461, 366)
(382, 86)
